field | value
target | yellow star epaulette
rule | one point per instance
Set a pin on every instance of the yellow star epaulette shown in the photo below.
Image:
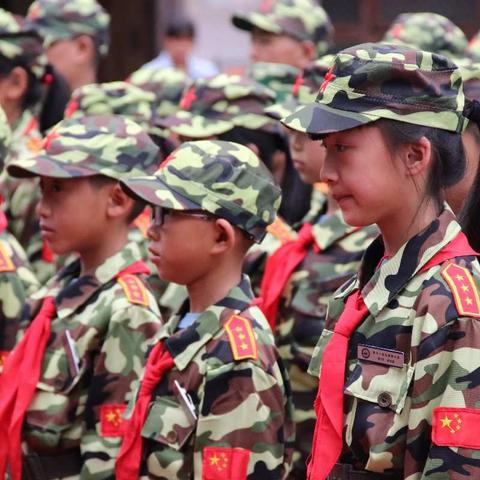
(463, 288)
(134, 289)
(280, 230)
(6, 263)
(241, 337)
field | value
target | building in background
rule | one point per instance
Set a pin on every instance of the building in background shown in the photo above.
(138, 26)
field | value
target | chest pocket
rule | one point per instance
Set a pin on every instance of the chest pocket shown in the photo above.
(383, 385)
(167, 423)
(62, 368)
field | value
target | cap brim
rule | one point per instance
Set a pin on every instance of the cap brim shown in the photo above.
(319, 119)
(278, 111)
(194, 126)
(249, 21)
(45, 166)
(154, 191)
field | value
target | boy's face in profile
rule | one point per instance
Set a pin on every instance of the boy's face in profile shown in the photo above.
(180, 245)
(72, 213)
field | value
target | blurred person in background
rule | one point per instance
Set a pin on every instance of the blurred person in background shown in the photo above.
(75, 35)
(178, 45)
(294, 32)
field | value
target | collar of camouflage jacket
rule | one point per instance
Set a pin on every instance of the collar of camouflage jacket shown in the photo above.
(381, 285)
(331, 228)
(71, 291)
(184, 344)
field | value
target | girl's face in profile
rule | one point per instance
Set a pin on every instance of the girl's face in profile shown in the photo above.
(369, 184)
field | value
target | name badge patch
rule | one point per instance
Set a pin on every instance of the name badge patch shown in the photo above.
(383, 356)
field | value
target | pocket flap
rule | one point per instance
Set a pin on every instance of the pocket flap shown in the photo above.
(168, 423)
(381, 384)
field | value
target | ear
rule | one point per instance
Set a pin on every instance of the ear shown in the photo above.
(309, 51)
(17, 84)
(119, 204)
(85, 48)
(224, 236)
(418, 157)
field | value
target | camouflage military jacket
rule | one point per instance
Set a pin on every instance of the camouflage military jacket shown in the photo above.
(238, 392)
(301, 315)
(17, 282)
(95, 352)
(421, 337)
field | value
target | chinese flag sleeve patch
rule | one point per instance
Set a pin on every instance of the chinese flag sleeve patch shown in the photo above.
(111, 420)
(221, 463)
(456, 427)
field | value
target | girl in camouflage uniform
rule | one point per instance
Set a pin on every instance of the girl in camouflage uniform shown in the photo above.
(398, 391)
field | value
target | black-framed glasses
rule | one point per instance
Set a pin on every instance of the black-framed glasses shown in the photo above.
(158, 214)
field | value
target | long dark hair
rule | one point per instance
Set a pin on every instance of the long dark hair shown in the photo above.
(49, 94)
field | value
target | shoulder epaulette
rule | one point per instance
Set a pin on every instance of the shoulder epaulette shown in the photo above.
(280, 230)
(6, 262)
(134, 289)
(463, 288)
(241, 337)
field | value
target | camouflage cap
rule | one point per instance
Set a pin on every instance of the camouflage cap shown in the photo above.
(373, 80)
(278, 77)
(17, 42)
(114, 98)
(471, 79)
(300, 19)
(216, 105)
(167, 84)
(304, 90)
(108, 145)
(64, 19)
(428, 31)
(223, 178)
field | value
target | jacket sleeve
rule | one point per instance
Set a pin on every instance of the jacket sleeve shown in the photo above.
(447, 374)
(117, 365)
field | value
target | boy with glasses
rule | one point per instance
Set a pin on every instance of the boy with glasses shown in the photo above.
(214, 401)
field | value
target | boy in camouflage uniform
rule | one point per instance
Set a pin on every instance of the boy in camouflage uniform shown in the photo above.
(399, 387)
(17, 280)
(87, 342)
(75, 35)
(294, 32)
(301, 276)
(214, 400)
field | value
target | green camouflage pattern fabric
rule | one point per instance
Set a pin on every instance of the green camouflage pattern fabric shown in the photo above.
(65, 19)
(114, 98)
(223, 178)
(109, 145)
(304, 89)
(17, 282)
(94, 355)
(303, 20)
(428, 31)
(471, 78)
(17, 41)
(373, 80)
(278, 77)
(21, 197)
(330, 262)
(205, 366)
(212, 106)
(167, 84)
(388, 409)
